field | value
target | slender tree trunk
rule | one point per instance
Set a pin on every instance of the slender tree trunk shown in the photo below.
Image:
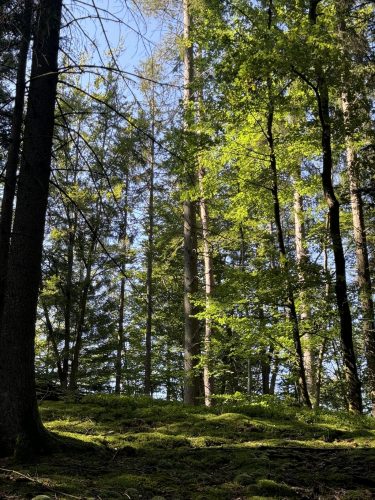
(266, 370)
(192, 340)
(68, 299)
(73, 381)
(319, 372)
(51, 337)
(302, 258)
(21, 429)
(302, 384)
(363, 270)
(274, 374)
(149, 283)
(11, 165)
(346, 327)
(120, 331)
(150, 257)
(120, 338)
(209, 287)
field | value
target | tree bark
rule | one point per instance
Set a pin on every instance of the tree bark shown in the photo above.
(192, 340)
(20, 425)
(11, 165)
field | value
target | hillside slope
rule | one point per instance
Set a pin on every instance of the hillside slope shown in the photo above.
(141, 449)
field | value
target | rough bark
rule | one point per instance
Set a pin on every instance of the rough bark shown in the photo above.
(192, 340)
(12, 162)
(346, 327)
(20, 424)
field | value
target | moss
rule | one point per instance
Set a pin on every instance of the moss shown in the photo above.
(244, 479)
(116, 444)
(268, 487)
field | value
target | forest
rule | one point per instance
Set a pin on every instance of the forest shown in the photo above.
(187, 247)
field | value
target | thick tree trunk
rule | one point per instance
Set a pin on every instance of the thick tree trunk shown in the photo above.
(346, 327)
(20, 424)
(192, 340)
(11, 165)
(309, 353)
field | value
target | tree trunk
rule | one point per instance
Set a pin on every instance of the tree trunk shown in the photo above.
(73, 380)
(150, 257)
(51, 337)
(346, 328)
(302, 385)
(192, 340)
(11, 165)
(68, 300)
(120, 332)
(209, 287)
(20, 425)
(363, 271)
(309, 354)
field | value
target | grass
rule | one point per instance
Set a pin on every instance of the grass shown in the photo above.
(141, 449)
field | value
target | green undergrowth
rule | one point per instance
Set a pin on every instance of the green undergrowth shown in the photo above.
(122, 447)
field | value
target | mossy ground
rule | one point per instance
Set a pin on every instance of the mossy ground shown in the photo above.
(141, 449)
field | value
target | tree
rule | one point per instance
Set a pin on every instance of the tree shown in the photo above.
(12, 162)
(192, 340)
(346, 331)
(20, 424)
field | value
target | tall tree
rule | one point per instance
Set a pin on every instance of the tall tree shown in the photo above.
(192, 340)
(12, 163)
(20, 425)
(361, 250)
(346, 326)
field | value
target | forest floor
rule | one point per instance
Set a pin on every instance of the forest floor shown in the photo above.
(134, 448)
